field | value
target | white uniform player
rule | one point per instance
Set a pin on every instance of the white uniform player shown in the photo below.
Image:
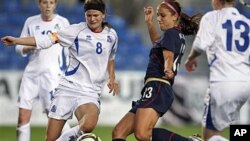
(228, 57)
(92, 46)
(86, 74)
(224, 36)
(41, 75)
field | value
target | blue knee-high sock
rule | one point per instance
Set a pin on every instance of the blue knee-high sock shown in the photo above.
(160, 134)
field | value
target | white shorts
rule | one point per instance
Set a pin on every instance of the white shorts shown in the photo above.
(34, 89)
(66, 101)
(223, 103)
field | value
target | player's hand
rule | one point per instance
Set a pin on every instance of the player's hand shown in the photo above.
(113, 87)
(9, 40)
(149, 12)
(169, 74)
(191, 64)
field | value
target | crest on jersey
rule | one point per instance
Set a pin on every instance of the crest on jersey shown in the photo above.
(53, 109)
(88, 38)
(57, 27)
(109, 39)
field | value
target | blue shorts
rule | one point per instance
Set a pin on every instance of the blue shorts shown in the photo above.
(155, 94)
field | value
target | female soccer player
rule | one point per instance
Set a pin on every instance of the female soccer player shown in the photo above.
(92, 47)
(40, 76)
(224, 35)
(157, 94)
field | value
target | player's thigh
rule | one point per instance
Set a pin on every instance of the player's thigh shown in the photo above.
(28, 93)
(87, 114)
(145, 120)
(226, 100)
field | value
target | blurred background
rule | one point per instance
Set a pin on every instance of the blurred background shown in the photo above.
(127, 18)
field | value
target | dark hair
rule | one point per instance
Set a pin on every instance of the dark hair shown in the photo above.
(41, 1)
(96, 5)
(227, 1)
(189, 25)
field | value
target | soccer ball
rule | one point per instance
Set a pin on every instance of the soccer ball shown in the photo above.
(88, 137)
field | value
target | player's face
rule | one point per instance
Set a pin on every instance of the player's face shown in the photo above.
(94, 20)
(165, 18)
(215, 4)
(47, 7)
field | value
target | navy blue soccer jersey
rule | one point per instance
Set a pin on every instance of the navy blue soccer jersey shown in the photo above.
(171, 40)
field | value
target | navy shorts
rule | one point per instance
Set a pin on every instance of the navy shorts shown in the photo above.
(157, 95)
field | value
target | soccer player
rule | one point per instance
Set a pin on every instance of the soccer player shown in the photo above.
(157, 94)
(41, 74)
(224, 36)
(92, 47)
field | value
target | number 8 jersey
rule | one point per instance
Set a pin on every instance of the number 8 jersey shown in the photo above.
(89, 54)
(225, 36)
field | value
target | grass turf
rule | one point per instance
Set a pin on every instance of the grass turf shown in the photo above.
(8, 133)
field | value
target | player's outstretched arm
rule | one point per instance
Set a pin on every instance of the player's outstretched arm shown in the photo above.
(10, 41)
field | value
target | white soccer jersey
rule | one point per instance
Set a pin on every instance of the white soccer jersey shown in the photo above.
(89, 54)
(225, 36)
(43, 62)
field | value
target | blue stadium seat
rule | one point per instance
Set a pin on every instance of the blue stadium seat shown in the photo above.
(11, 6)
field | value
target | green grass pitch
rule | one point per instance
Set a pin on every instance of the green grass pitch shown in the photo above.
(8, 133)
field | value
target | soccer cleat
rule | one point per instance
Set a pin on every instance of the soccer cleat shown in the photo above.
(195, 138)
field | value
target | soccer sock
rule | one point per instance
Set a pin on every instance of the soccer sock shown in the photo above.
(118, 140)
(23, 132)
(66, 127)
(217, 138)
(70, 134)
(160, 134)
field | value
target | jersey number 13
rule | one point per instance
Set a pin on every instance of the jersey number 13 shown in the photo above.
(244, 29)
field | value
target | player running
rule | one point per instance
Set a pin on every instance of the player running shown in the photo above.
(224, 36)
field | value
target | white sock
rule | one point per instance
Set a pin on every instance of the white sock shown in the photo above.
(23, 132)
(66, 127)
(73, 133)
(217, 138)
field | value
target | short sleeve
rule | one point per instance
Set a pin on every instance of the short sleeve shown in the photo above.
(67, 36)
(114, 47)
(167, 40)
(206, 34)
(24, 33)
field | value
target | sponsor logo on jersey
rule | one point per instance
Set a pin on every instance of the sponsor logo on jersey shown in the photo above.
(88, 38)
(53, 109)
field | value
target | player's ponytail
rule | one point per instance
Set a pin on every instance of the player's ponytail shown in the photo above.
(190, 25)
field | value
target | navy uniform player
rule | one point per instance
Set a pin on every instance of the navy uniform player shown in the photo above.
(40, 76)
(157, 94)
(224, 36)
(92, 48)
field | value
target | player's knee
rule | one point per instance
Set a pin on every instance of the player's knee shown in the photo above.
(50, 138)
(87, 127)
(141, 135)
